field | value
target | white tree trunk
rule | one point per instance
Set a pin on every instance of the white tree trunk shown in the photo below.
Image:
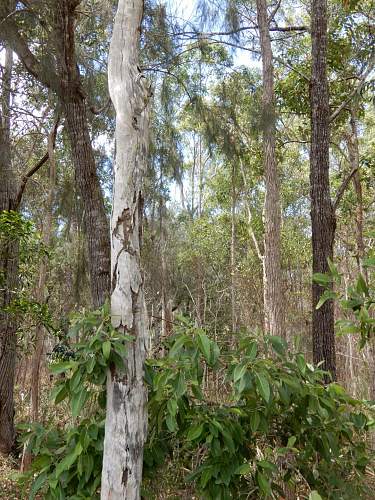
(126, 418)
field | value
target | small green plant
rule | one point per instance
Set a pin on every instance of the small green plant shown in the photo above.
(279, 424)
(68, 460)
(359, 301)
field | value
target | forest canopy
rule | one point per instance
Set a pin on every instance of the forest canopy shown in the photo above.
(187, 249)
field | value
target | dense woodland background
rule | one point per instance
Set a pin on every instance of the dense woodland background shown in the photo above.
(260, 172)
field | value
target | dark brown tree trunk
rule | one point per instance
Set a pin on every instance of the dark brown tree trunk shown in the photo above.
(95, 220)
(64, 79)
(323, 221)
(72, 98)
(272, 275)
(8, 270)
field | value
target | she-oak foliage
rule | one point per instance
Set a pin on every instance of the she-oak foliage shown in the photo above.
(274, 423)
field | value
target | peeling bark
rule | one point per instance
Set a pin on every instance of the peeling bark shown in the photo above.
(126, 417)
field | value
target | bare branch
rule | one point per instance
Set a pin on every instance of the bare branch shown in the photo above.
(343, 187)
(37, 166)
(355, 91)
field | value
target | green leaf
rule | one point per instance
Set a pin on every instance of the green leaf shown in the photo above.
(243, 469)
(263, 483)
(369, 262)
(291, 441)
(171, 423)
(62, 367)
(106, 348)
(326, 295)
(68, 461)
(59, 393)
(361, 286)
(252, 351)
(254, 421)
(322, 279)
(37, 485)
(263, 386)
(204, 344)
(279, 345)
(239, 371)
(314, 495)
(78, 400)
(195, 432)
(301, 363)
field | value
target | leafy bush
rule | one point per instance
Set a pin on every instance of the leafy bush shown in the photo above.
(280, 425)
(68, 460)
(359, 302)
(273, 422)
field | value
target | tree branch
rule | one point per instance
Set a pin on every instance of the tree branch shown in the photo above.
(355, 91)
(36, 167)
(44, 73)
(343, 187)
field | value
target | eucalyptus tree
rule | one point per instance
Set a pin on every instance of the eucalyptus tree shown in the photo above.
(8, 264)
(126, 416)
(55, 66)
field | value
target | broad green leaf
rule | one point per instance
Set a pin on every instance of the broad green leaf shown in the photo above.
(204, 345)
(59, 393)
(106, 348)
(362, 286)
(369, 262)
(301, 363)
(291, 441)
(254, 421)
(263, 386)
(278, 344)
(314, 495)
(252, 351)
(243, 469)
(37, 485)
(326, 295)
(171, 422)
(62, 367)
(68, 461)
(263, 483)
(78, 400)
(239, 371)
(322, 279)
(194, 432)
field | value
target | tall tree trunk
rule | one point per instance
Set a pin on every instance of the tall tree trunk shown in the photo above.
(323, 221)
(273, 296)
(8, 268)
(72, 98)
(61, 74)
(233, 256)
(126, 417)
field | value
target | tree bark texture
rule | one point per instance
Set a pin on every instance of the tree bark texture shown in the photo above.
(323, 221)
(8, 269)
(126, 417)
(272, 274)
(73, 102)
(61, 74)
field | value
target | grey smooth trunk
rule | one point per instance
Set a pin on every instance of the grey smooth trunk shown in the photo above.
(126, 416)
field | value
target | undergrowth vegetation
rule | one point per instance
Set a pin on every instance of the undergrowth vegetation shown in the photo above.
(244, 422)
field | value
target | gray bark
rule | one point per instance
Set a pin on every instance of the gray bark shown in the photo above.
(126, 417)
(272, 275)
